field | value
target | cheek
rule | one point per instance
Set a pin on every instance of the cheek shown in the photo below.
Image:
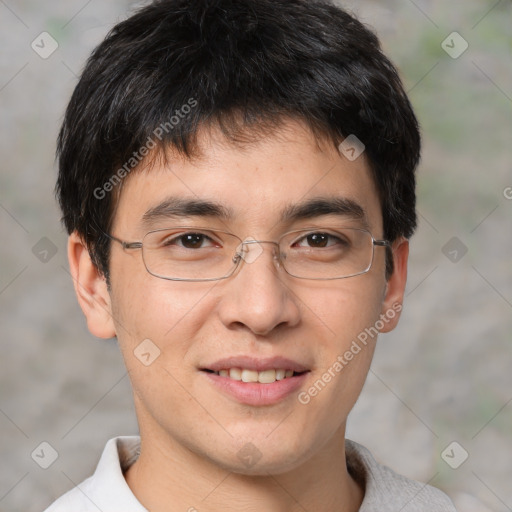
(168, 313)
(346, 352)
(344, 309)
(346, 315)
(157, 322)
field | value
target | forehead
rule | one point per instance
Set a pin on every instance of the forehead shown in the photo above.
(266, 183)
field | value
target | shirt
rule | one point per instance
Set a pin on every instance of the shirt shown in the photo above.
(385, 491)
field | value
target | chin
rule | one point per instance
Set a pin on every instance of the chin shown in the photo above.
(263, 467)
(260, 458)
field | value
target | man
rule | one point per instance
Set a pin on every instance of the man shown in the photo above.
(237, 179)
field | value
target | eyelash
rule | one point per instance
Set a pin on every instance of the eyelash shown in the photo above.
(304, 237)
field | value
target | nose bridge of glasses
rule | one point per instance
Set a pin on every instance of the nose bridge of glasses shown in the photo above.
(250, 249)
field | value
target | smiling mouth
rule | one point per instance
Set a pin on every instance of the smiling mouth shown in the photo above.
(263, 377)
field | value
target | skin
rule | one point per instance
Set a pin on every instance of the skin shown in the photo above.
(190, 432)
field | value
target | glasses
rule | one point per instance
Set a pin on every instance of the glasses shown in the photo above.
(206, 254)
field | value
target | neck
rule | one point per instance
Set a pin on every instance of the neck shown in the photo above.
(168, 476)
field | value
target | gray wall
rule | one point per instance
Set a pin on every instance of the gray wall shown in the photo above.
(442, 376)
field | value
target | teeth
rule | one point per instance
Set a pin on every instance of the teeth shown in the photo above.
(267, 377)
(249, 376)
(235, 374)
(264, 377)
(280, 374)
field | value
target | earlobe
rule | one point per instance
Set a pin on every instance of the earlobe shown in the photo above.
(91, 289)
(395, 287)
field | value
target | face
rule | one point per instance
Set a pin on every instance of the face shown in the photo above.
(260, 318)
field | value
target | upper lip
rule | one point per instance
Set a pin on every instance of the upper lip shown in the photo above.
(255, 364)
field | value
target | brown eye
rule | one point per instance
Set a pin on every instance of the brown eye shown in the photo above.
(192, 240)
(189, 241)
(318, 239)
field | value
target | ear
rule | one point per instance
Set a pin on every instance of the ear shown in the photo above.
(395, 287)
(91, 289)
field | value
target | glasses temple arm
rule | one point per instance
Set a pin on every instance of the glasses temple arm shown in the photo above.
(126, 245)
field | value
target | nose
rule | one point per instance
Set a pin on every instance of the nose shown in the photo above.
(258, 296)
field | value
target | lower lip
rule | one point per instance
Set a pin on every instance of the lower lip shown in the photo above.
(254, 393)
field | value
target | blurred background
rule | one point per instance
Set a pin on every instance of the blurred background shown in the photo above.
(437, 405)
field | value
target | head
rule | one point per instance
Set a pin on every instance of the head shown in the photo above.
(238, 109)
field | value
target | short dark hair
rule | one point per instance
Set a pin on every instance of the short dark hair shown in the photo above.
(244, 66)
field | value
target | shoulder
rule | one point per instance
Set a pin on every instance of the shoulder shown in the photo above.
(106, 489)
(76, 499)
(72, 500)
(387, 491)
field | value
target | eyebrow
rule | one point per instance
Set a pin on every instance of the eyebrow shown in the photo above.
(173, 207)
(317, 207)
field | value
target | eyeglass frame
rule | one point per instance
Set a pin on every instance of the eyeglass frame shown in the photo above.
(139, 245)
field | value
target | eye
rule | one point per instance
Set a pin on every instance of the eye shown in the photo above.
(190, 241)
(320, 240)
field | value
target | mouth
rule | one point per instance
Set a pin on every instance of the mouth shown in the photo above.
(263, 377)
(254, 381)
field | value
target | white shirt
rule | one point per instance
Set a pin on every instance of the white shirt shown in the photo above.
(385, 491)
